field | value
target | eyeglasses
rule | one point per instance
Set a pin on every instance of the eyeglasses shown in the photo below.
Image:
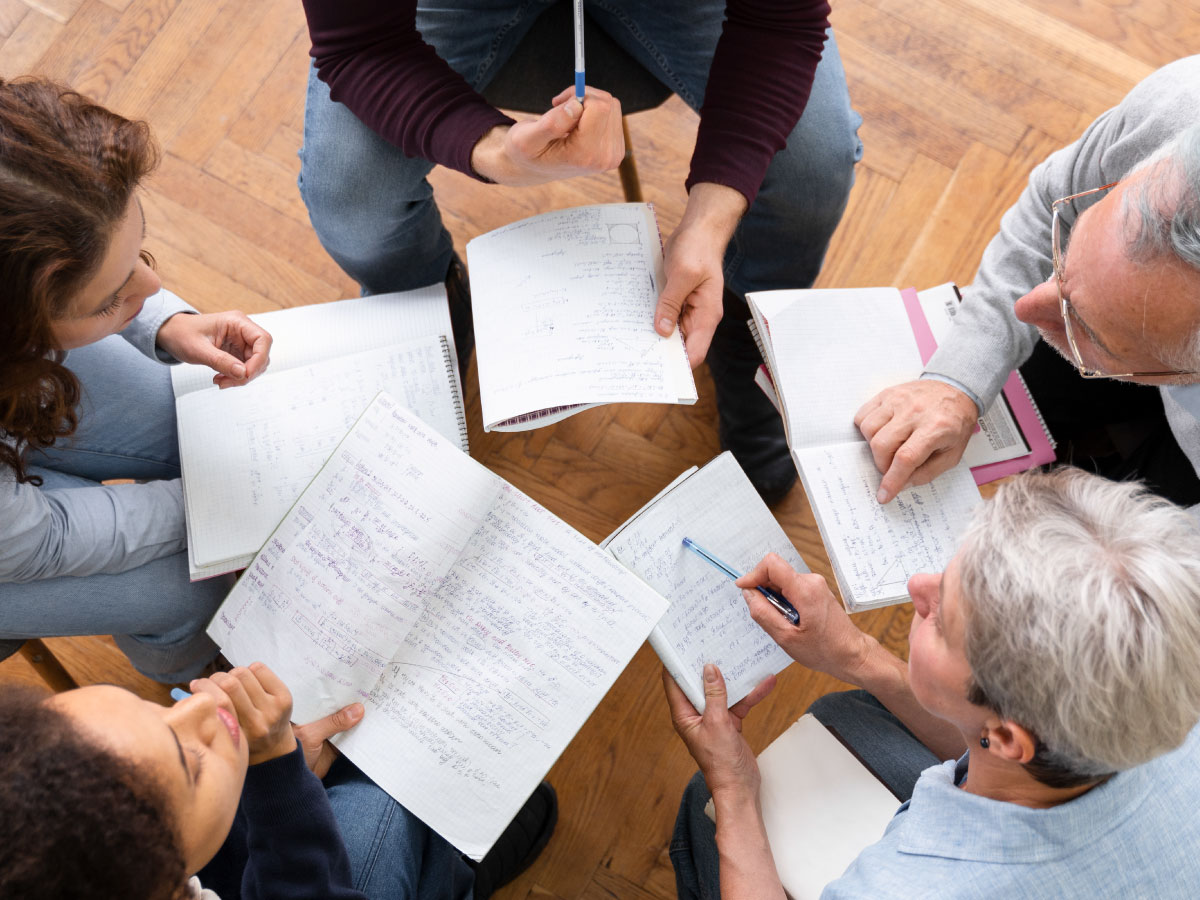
(1064, 305)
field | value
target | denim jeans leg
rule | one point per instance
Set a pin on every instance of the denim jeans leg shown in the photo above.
(393, 854)
(371, 205)
(878, 737)
(126, 417)
(694, 846)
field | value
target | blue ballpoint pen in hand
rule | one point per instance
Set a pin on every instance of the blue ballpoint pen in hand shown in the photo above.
(579, 50)
(776, 599)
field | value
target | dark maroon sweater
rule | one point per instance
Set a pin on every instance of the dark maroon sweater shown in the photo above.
(373, 59)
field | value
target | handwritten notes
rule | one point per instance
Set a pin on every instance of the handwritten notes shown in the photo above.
(876, 548)
(708, 620)
(478, 630)
(254, 449)
(564, 308)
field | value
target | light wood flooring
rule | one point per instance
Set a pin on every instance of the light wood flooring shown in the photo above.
(961, 98)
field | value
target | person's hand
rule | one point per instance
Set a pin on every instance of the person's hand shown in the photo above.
(917, 431)
(715, 739)
(228, 342)
(314, 737)
(693, 262)
(824, 639)
(263, 706)
(569, 139)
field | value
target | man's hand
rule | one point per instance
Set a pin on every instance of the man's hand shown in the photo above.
(568, 140)
(228, 342)
(917, 431)
(314, 737)
(715, 738)
(263, 705)
(694, 261)
(824, 639)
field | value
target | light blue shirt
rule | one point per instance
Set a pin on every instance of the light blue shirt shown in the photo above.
(1135, 836)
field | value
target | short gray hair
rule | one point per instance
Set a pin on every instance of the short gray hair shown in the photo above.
(1081, 599)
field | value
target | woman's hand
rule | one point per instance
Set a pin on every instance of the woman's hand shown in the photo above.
(228, 342)
(314, 737)
(824, 639)
(715, 739)
(263, 705)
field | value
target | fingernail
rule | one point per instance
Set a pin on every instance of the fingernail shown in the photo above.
(239, 371)
(572, 107)
(710, 673)
(882, 496)
(356, 711)
(665, 325)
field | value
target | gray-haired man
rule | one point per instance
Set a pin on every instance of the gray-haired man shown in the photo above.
(1100, 257)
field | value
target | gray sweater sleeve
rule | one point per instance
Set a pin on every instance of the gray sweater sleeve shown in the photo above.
(987, 341)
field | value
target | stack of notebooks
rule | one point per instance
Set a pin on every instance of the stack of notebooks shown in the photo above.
(829, 351)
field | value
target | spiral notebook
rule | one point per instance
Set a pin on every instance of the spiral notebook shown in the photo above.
(247, 453)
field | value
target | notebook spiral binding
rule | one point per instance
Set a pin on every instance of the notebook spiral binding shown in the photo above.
(1036, 411)
(459, 412)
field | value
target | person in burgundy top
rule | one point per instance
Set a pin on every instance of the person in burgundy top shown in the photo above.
(394, 91)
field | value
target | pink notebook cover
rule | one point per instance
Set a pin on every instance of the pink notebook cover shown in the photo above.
(1018, 401)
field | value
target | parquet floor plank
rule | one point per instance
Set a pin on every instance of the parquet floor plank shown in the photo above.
(960, 98)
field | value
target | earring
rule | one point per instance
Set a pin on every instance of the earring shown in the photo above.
(984, 743)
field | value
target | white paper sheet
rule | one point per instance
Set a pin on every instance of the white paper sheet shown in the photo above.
(708, 621)
(875, 548)
(564, 313)
(478, 630)
(253, 449)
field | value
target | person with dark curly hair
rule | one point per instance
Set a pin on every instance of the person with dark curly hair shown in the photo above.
(105, 795)
(76, 556)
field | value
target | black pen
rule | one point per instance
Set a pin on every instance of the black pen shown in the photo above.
(777, 600)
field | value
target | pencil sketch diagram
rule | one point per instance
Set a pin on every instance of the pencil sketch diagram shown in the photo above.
(624, 233)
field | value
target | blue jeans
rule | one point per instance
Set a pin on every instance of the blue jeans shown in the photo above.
(127, 430)
(393, 854)
(877, 736)
(373, 208)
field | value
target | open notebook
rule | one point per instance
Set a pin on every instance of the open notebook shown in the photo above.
(564, 311)
(708, 621)
(252, 449)
(829, 351)
(478, 629)
(821, 807)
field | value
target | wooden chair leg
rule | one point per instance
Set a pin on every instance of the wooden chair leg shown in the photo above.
(47, 665)
(628, 170)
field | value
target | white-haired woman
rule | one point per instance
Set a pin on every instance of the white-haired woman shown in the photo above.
(1057, 659)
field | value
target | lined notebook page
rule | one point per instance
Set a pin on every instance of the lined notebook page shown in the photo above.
(564, 309)
(304, 335)
(876, 548)
(491, 629)
(707, 621)
(834, 350)
(247, 453)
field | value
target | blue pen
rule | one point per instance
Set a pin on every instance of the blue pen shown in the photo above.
(579, 50)
(178, 694)
(778, 601)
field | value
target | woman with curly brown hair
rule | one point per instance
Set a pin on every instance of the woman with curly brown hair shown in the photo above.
(76, 556)
(104, 795)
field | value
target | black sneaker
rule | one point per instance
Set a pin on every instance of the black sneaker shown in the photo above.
(458, 293)
(750, 426)
(519, 845)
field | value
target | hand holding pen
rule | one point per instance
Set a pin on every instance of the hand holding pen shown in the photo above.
(777, 600)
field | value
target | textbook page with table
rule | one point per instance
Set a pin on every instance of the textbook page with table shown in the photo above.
(828, 352)
(254, 448)
(478, 630)
(564, 316)
(708, 620)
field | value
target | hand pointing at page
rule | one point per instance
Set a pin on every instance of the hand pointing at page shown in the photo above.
(917, 431)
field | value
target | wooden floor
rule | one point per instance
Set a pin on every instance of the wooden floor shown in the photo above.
(961, 98)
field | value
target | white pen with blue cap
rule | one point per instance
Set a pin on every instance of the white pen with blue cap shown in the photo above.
(579, 50)
(776, 599)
